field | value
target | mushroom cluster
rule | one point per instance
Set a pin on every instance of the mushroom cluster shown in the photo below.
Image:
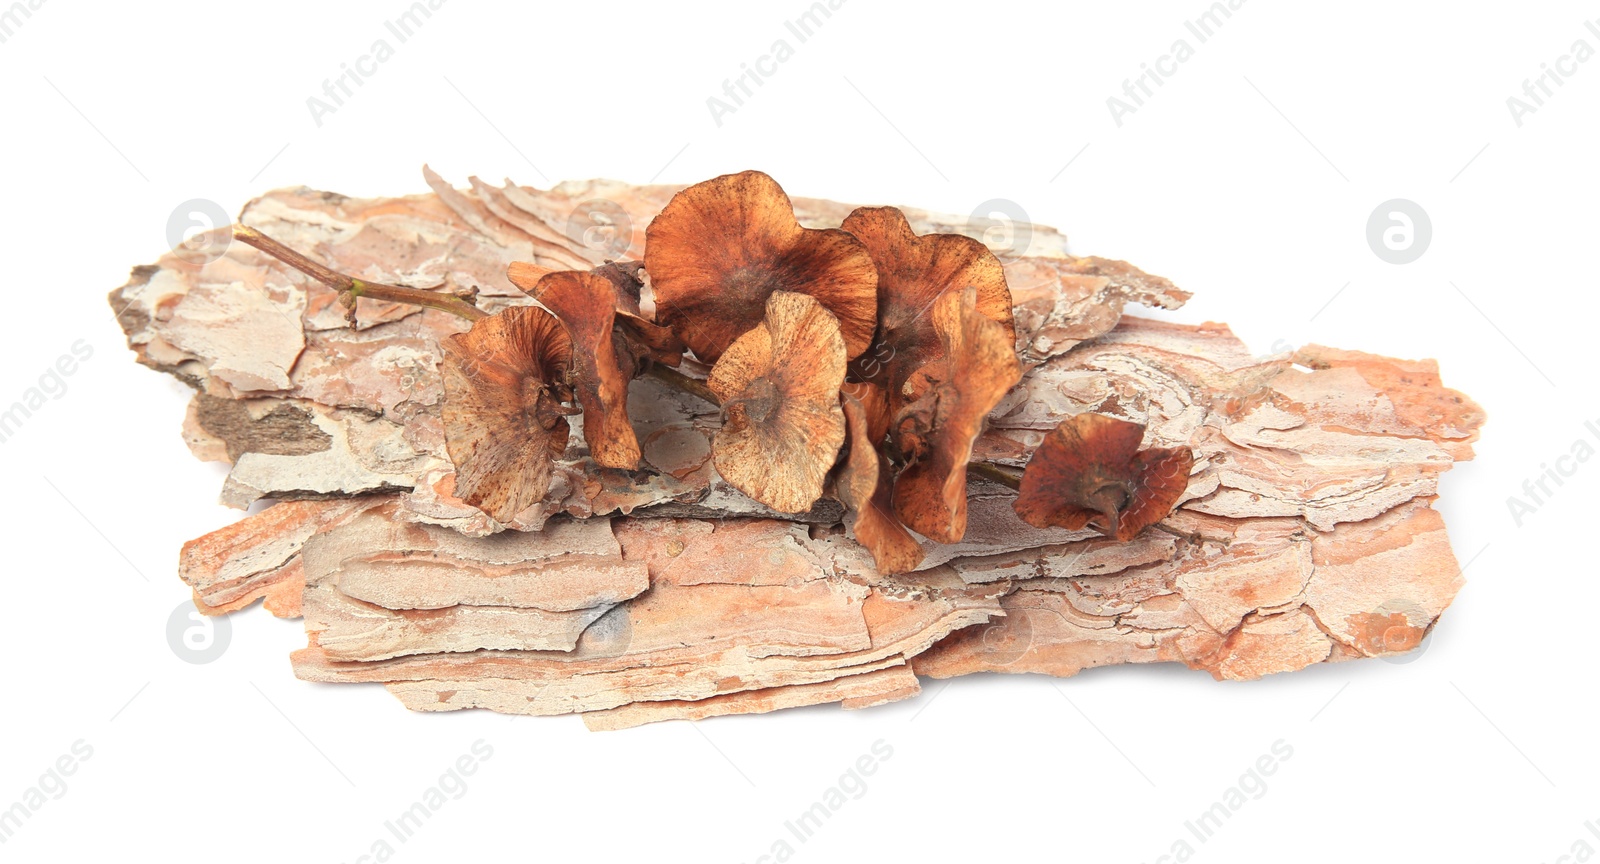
(857, 362)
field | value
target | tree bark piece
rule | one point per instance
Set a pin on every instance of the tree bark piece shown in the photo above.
(234, 566)
(378, 588)
(1306, 534)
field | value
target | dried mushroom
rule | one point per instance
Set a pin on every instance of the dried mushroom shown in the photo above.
(779, 389)
(863, 484)
(913, 272)
(504, 421)
(1090, 471)
(600, 373)
(720, 248)
(643, 338)
(949, 399)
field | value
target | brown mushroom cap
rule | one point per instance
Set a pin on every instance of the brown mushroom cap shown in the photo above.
(644, 337)
(913, 272)
(1090, 468)
(863, 484)
(502, 412)
(779, 388)
(937, 429)
(720, 248)
(526, 275)
(586, 305)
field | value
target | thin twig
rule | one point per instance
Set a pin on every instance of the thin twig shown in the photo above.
(680, 381)
(352, 287)
(990, 471)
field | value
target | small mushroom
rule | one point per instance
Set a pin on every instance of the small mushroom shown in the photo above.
(586, 305)
(863, 483)
(913, 272)
(504, 421)
(720, 248)
(779, 389)
(1090, 470)
(644, 337)
(949, 399)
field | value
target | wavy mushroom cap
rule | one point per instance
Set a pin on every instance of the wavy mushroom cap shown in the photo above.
(863, 484)
(643, 337)
(779, 389)
(935, 432)
(526, 275)
(720, 248)
(502, 413)
(914, 272)
(586, 305)
(1090, 468)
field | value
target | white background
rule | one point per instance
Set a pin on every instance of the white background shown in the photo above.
(1248, 179)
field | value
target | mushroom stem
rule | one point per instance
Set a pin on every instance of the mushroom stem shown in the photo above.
(680, 381)
(349, 287)
(990, 471)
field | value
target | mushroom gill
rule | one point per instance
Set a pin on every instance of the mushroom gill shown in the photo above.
(779, 389)
(504, 421)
